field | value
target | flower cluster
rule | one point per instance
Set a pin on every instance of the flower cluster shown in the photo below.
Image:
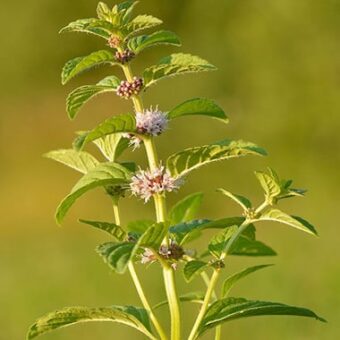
(125, 56)
(147, 183)
(114, 41)
(126, 89)
(134, 141)
(151, 122)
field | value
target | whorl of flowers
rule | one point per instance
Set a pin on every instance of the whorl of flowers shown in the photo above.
(114, 41)
(134, 141)
(126, 89)
(151, 122)
(125, 56)
(144, 184)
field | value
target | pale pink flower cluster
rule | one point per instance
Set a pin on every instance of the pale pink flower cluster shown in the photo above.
(151, 122)
(144, 184)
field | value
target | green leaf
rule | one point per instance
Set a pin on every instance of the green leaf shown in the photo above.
(129, 315)
(242, 201)
(182, 163)
(140, 43)
(112, 229)
(139, 226)
(186, 209)
(153, 236)
(142, 22)
(236, 308)
(276, 215)
(175, 64)
(80, 161)
(246, 247)
(116, 124)
(104, 174)
(127, 7)
(194, 268)
(195, 297)
(198, 107)
(81, 95)
(81, 64)
(187, 231)
(269, 183)
(233, 279)
(94, 26)
(103, 11)
(112, 146)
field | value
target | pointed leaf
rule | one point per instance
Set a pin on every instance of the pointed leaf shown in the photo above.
(130, 316)
(233, 279)
(81, 64)
(186, 209)
(112, 146)
(276, 215)
(142, 22)
(187, 231)
(194, 297)
(246, 247)
(139, 226)
(104, 174)
(175, 64)
(236, 308)
(140, 43)
(242, 201)
(80, 161)
(103, 11)
(194, 268)
(112, 229)
(182, 163)
(269, 184)
(198, 107)
(83, 94)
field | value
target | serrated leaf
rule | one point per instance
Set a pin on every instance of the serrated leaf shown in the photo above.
(142, 22)
(112, 229)
(112, 146)
(129, 315)
(240, 200)
(186, 209)
(81, 64)
(269, 184)
(195, 297)
(236, 308)
(81, 95)
(140, 43)
(80, 161)
(182, 163)
(94, 26)
(125, 123)
(233, 279)
(103, 11)
(175, 64)
(194, 268)
(104, 174)
(276, 215)
(198, 107)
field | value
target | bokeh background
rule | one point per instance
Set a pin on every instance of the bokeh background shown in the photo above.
(279, 81)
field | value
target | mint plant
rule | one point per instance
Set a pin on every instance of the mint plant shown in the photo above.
(164, 241)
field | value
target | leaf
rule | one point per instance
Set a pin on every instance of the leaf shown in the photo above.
(129, 315)
(175, 64)
(103, 11)
(140, 43)
(198, 107)
(186, 209)
(269, 184)
(81, 95)
(182, 163)
(81, 64)
(142, 22)
(80, 161)
(94, 26)
(139, 226)
(276, 215)
(187, 231)
(194, 268)
(127, 7)
(112, 146)
(240, 200)
(104, 174)
(153, 236)
(116, 124)
(195, 297)
(231, 280)
(112, 229)
(236, 308)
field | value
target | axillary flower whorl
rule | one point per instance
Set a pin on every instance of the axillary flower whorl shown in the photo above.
(151, 122)
(125, 56)
(146, 183)
(126, 89)
(114, 41)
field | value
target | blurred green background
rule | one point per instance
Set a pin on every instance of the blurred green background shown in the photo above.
(279, 81)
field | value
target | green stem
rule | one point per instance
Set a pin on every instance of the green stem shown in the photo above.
(214, 279)
(139, 287)
(160, 207)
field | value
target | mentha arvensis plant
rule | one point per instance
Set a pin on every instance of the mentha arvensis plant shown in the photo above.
(164, 241)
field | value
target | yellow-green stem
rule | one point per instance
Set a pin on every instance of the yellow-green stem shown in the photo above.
(160, 207)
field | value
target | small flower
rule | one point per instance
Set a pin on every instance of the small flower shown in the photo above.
(125, 56)
(172, 252)
(148, 257)
(114, 41)
(126, 89)
(134, 141)
(151, 122)
(147, 183)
